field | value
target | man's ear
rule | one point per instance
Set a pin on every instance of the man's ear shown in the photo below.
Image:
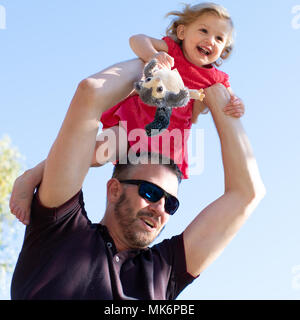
(180, 31)
(114, 190)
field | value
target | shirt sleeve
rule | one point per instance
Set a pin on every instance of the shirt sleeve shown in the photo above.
(41, 215)
(172, 253)
(173, 47)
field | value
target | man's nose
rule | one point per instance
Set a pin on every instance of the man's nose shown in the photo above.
(159, 206)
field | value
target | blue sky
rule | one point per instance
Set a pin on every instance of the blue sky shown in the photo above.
(47, 47)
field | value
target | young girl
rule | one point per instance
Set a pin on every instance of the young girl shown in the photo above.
(198, 39)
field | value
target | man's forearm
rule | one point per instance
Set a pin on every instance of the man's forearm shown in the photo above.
(115, 83)
(71, 154)
(240, 168)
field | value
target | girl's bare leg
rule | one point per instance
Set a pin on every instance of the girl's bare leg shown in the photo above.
(23, 190)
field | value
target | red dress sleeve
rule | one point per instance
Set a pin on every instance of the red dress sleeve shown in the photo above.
(173, 48)
(225, 79)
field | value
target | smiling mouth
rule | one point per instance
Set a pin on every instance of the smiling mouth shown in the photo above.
(203, 50)
(149, 223)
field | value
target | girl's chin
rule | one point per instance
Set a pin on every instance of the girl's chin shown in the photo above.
(201, 62)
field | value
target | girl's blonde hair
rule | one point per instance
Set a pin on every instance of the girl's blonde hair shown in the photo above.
(191, 13)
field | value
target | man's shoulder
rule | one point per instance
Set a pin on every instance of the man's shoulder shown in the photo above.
(169, 246)
(41, 213)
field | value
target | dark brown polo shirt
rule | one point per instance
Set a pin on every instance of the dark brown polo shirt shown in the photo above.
(65, 256)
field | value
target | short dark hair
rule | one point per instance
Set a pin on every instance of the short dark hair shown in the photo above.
(123, 166)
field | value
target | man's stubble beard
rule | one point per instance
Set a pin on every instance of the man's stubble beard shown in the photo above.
(124, 215)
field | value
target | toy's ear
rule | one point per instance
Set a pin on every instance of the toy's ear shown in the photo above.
(180, 31)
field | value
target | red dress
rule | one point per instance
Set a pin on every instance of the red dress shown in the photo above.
(135, 114)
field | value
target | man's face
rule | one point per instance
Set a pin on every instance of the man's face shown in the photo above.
(140, 221)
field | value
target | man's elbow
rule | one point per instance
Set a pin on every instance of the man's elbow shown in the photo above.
(259, 192)
(88, 91)
(254, 194)
(249, 194)
(87, 86)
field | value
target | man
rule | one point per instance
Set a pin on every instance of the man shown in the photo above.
(64, 256)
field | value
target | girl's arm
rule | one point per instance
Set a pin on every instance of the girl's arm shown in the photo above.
(147, 48)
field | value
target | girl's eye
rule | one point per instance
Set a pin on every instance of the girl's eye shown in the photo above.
(203, 30)
(220, 39)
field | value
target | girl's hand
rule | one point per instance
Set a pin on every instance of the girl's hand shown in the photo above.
(164, 60)
(235, 107)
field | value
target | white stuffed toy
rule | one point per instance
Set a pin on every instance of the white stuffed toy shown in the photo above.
(164, 89)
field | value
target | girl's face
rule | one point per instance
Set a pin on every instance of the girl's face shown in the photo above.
(204, 40)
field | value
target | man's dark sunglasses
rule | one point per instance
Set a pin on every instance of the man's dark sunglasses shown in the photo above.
(154, 193)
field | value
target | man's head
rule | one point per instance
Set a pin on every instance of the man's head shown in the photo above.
(139, 197)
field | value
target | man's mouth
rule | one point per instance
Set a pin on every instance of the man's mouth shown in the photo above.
(149, 222)
(204, 50)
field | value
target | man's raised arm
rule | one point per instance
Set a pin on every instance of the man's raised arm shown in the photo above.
(209, 233)
(70, 156)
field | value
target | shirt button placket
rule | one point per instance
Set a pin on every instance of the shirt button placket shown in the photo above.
(109, 245)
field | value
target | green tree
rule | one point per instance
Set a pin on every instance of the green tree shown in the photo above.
(10, 168)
